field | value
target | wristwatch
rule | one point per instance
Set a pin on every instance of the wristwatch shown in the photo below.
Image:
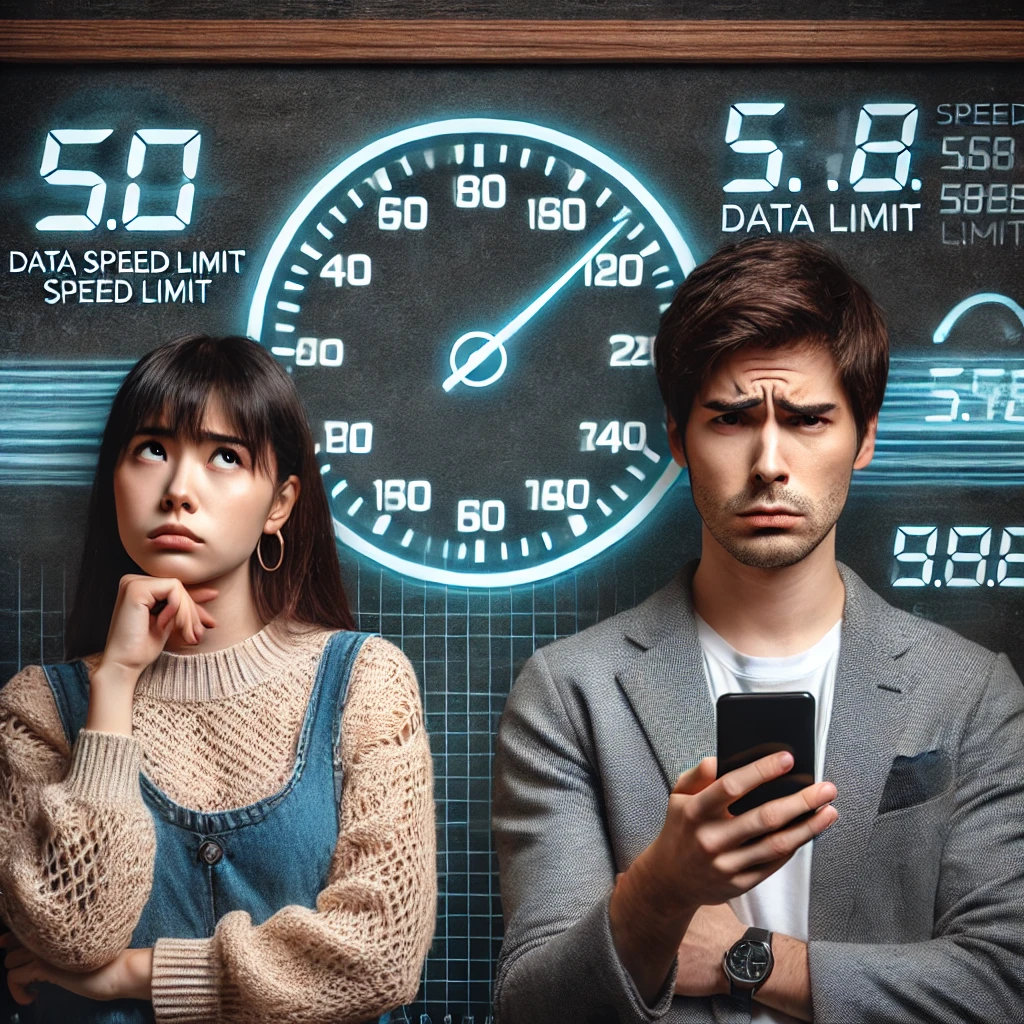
(748, 963)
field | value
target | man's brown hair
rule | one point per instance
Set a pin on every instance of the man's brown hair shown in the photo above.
(772, 292)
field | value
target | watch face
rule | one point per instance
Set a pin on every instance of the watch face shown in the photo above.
(467, 309)
(748, 960)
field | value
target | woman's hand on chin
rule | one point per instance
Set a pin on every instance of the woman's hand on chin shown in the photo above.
(147, 611)
(128, 976)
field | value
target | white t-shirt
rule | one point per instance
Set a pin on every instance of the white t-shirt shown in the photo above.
(780, 902)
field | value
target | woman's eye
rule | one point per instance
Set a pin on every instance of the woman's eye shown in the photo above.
(152, 451)
(227, 457)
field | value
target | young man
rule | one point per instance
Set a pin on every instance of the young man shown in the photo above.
(624, 878)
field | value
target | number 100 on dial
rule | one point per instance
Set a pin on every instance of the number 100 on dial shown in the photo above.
(467, 308)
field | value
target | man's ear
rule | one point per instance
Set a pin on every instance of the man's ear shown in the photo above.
(284, 502)
(675, 441)
(866, 451)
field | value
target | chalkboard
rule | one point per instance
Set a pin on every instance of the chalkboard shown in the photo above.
(199, 188)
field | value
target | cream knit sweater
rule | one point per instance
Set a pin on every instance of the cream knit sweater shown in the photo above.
(216, 731)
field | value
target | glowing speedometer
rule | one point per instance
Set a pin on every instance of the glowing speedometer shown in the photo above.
(467, 308)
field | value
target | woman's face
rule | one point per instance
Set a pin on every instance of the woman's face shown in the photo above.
(195, 511)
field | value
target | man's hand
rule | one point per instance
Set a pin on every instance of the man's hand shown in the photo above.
(128, 976)
(705, 855)
(711, 932)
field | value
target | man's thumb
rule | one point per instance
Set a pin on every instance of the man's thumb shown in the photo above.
(699, 777)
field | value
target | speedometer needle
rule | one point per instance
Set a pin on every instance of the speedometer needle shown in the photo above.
(499, 339)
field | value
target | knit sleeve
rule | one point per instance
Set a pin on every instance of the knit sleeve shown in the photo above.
(360, 952)
(76, 841)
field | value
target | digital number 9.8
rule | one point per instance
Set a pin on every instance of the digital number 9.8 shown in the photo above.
(968, 549)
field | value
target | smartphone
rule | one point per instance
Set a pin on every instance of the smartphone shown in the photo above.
(754, 725)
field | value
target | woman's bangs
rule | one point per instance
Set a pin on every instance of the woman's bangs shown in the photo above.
(175, 393)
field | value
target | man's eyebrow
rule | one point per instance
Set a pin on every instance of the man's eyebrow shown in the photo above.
(805, 410)
(819, 409)
(717, 405)
(205, 436)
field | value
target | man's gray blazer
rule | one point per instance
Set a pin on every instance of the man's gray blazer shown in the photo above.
(917, 891)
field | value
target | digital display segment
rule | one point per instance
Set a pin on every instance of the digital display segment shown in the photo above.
(463, 270)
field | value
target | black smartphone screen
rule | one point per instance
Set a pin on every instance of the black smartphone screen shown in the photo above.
(754, 725)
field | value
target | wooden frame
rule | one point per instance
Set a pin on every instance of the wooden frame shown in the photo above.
(504, 41)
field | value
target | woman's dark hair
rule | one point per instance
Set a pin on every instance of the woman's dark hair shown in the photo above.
(175, 381)
(772, 292)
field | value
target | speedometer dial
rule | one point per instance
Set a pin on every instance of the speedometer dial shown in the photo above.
(468, 308)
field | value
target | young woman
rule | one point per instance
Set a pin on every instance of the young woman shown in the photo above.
(221, 809)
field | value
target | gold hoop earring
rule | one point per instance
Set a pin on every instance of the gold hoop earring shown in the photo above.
(259, 554)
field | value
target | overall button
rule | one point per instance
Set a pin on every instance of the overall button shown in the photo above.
(210, 852)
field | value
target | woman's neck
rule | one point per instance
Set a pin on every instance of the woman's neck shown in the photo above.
(234, 611)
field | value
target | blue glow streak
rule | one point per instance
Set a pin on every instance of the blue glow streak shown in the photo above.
(982, 298)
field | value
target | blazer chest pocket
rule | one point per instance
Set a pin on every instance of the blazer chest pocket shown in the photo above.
(916, 780)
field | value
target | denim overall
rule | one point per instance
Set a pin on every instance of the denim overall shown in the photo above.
(258, 858)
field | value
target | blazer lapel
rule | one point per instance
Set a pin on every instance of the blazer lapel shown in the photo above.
(868, 716)
(665, 683)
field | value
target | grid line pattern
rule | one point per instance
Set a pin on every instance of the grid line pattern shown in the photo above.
(467, 646)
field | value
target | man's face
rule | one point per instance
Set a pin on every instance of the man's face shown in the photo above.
(771, 443)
